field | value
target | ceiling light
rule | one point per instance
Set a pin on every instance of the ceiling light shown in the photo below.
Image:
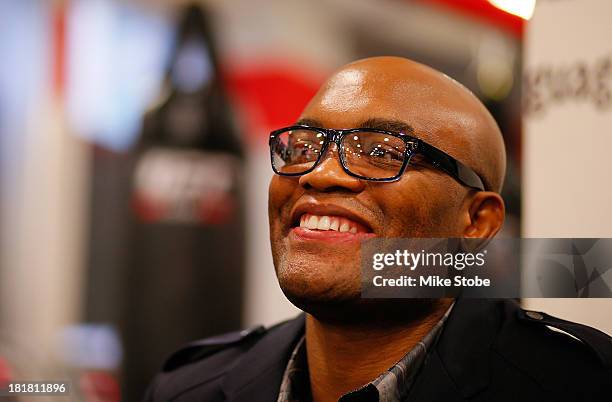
(520, 8)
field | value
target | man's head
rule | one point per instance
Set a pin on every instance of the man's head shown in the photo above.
(319, 268)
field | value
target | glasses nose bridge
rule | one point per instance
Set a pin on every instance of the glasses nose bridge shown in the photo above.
(335, 136)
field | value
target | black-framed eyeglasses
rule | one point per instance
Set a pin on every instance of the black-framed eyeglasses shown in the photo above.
(365, 153)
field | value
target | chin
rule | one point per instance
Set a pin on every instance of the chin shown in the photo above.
(306, 283)
(337, 298)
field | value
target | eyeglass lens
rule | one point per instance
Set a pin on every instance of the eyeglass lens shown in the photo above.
(365, 153)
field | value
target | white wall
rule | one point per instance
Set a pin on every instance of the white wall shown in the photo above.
(568, 135)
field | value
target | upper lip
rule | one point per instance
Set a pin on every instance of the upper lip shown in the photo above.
(326, 208)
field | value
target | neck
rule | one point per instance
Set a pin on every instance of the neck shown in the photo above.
(345, 356)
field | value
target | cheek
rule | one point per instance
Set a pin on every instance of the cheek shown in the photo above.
(281, 195)
(421, 208)
(280, 192)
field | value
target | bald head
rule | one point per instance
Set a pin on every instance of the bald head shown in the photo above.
(441, 111)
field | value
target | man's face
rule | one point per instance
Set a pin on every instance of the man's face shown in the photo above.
(316, 260)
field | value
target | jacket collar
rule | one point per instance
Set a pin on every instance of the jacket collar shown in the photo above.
(259, 372)
(458, 365)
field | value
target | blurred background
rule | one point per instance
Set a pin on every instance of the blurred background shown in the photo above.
(134, 164)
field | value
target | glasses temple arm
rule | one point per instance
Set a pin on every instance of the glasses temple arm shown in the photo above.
(450, 165)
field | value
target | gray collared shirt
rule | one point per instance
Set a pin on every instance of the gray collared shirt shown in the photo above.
(392, 385)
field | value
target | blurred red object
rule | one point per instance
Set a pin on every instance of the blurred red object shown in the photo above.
(99, 386)
(271, 96)
(6, 374)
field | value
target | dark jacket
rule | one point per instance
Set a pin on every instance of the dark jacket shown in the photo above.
(488, 351)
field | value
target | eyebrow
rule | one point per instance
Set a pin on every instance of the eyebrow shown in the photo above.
(374, 122)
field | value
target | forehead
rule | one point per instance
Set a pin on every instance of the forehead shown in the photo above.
(435, 106)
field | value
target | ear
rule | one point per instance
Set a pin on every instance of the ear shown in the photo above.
(486, 215)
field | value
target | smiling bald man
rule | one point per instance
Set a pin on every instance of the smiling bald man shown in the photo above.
(387, 148)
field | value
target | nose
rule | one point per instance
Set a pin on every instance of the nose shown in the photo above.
(329, 176)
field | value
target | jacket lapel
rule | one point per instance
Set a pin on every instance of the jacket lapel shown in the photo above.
(458, 367)
(433, 383)
(258, 374)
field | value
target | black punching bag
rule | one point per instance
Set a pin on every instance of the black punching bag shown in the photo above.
(187, 239)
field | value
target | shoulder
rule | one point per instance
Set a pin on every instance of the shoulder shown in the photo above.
(203, 364)
(554, 353)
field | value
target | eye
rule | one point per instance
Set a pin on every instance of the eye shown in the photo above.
(385, 152)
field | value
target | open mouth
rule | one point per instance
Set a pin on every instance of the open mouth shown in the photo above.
(327, 223)
(332, 223)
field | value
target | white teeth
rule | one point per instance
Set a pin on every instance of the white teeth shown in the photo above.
(327, 223)
(335, 224)
(313, 222)
(344, 227)
(323, 223)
